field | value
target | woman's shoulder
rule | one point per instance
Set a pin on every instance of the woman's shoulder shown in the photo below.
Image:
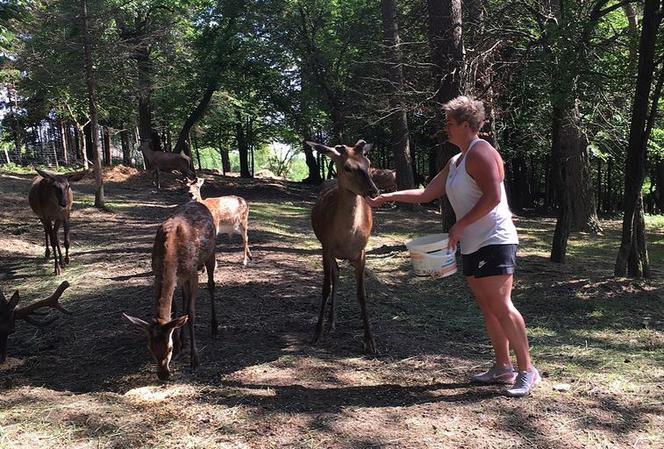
(483, 153)
(482, 149)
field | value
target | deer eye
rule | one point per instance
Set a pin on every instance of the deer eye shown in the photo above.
(348, 169)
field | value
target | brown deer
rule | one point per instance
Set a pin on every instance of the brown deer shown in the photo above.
(342, 222)
(161, 160)
(51, 199)
(230, 213)
(9, 314)
(385, 179)
(184, 243)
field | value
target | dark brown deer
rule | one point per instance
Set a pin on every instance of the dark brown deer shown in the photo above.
(9, 314)
(384, 178)
(161, 160)
(231, 214)
(184, 243)
(342, 222)
(51, 199)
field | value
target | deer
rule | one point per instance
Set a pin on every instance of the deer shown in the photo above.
(385, 179)
(183, 245)
(342, 222)
(51, 199)
(9, 314)
(161, 160)
(230, 213)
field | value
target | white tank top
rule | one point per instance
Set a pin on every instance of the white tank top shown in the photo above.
(496, 227)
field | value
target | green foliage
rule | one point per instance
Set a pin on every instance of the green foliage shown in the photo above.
(656, 145)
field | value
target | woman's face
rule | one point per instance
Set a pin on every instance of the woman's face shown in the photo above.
(455, 130)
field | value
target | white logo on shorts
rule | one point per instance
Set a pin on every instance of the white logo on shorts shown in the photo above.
(481, 264)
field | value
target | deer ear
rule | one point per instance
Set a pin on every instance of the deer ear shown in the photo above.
(331, 152)
(13, 300)
(178, 322)
(45, 175)
(367, 148)
(137, 322)
(78, 176)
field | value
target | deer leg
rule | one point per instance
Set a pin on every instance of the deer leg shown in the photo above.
(245, 241)
(53, 237)
(56, 229)
(323, 301)
(65, 226)
(47, 232)
(332, 320)
(185, 307)
(369, 343)
(209, 266)
(177, 336)
(156, 177)
(192, 287)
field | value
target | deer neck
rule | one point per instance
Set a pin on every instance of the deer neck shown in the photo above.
(148, 153)
(349, 207)
(164, 263)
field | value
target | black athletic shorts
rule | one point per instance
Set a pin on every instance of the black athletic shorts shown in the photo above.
(491, 260)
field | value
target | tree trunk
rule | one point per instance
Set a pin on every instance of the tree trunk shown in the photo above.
(447, 56)
(144, 67)
(242, 145)
(92, 101)
(632, 259)
(108, 157)
(126, 149)
(223, 152)
(312, 164)
(400, 133)
(182, 144)
(62, 127)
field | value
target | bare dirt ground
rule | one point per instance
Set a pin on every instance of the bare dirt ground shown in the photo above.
(87, 381)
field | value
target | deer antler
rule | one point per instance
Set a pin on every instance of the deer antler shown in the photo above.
(52, 301)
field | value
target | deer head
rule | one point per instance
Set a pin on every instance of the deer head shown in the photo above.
(352, 166)
(9, 314)
(160, 341)
(60, 184)
(194, 188)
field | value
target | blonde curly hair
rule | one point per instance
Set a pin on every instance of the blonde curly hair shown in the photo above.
(466, 109)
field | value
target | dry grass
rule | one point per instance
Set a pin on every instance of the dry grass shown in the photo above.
(87, 381)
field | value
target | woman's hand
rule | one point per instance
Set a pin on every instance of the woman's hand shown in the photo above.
(375, 202)
(454, 235)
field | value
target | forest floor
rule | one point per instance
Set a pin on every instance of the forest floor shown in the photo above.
(87, 381)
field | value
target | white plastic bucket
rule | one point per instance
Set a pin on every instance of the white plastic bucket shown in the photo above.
(428, 243)
(430, 257)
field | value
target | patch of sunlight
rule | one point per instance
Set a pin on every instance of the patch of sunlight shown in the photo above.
(11, 363)
(540, 332)
(261, 392)
(159, 393)
(597, 314)
(654, 222)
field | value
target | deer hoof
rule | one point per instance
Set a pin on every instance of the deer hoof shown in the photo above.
(214, 328)
(194, 361)
(47, 254)
(66, 260)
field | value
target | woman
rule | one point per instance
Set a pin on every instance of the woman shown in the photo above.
(473, 182)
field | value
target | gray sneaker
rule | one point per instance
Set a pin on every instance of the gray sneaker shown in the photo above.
(525, 381)
(495, 375)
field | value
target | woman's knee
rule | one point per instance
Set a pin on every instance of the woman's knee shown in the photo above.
(503, 309)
